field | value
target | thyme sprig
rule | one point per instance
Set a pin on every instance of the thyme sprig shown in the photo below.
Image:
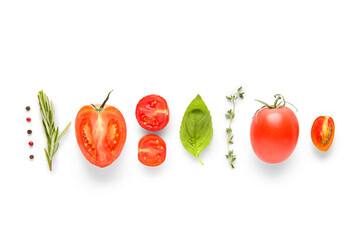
(47, 111)
(230, 115)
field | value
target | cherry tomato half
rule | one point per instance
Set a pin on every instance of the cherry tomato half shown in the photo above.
(152, 112)
(152, 150)
(323, 132)
(100, 133)
(274, 133)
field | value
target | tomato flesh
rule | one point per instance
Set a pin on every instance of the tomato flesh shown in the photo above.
(323, 132)
(151, 150)
(152, 112)
(274, 134)
(100, 136)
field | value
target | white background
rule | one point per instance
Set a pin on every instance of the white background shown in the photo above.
(77, 51)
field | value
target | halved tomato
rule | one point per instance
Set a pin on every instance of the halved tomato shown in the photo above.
(323, 132)
(152, 150)
(100, 133)
(152, 112)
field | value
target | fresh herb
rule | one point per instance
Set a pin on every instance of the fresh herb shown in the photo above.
(52, 134)
(230, 115)
(196, 129)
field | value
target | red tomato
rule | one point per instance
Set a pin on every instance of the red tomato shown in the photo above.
(152, 150)
(152, 112)
(274, 133)
(100, 133)
(323, 132)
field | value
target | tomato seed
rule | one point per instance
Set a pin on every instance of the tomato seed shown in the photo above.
(28, 119)
(29, 131)
(27, 108)
(31, 143)
(31, 156)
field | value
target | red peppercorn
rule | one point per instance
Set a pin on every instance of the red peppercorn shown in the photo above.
(28, 119)
(31, 143)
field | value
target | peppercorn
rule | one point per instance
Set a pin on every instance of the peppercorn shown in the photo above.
(28, 119)
(27, 108)
(31, 156)
(31, 143)
(29, 131)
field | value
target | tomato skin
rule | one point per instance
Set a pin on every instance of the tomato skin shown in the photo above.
(152, 112)
(274, 134)
(151, 150)
(100, 136)
(323, 132)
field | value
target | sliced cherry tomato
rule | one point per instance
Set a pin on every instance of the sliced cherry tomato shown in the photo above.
(152, 150)
(100, 133)
(274, 132)
(152, 112)
(323, 132)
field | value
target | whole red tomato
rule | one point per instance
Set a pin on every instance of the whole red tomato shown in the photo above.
(100, 133)
(323, 132)
(152, 112)
(274, 131)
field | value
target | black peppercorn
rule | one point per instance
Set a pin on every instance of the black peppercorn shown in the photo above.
(29, 131)
(27, 108)
(31, 156)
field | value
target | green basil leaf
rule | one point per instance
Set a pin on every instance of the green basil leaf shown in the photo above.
(196, 129)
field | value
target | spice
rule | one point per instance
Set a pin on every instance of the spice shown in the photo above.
(27, 108)
(31, 156)
(29, 131)
(31, 143)
(28, 119)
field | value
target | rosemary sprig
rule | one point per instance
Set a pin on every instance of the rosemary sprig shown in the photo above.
(230, 115)
(52, 134)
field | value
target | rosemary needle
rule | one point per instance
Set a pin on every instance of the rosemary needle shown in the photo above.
(52, 134)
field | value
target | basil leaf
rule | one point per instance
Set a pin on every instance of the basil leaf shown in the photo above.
(196, 129)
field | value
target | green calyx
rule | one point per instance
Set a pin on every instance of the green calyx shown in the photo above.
(98, 110)
(279, 102)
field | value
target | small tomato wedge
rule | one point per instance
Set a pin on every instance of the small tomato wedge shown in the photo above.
(100, 133)
(152, 112)
(152, 150)
(323, 132)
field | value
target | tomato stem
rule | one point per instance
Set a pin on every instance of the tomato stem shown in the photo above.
(276, 104)
(277, 98)
(98, 110)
